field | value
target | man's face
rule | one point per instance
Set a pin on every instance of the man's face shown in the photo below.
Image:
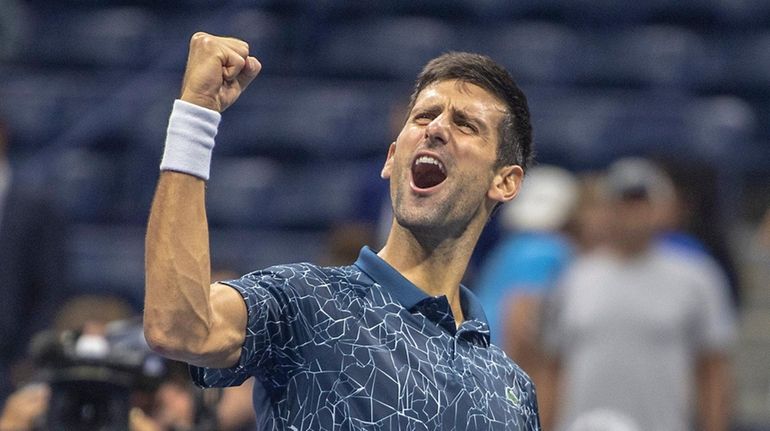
(635, 222)
(442, 165)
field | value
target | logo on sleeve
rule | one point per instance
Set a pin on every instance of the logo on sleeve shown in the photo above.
(512, 397)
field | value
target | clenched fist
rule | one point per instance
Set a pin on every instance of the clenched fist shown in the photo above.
(218, 70)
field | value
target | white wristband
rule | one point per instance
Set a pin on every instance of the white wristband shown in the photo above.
(190, 139)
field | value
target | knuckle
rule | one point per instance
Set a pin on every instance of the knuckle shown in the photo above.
(203, 39)
(197, 36)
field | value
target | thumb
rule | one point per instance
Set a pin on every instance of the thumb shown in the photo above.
(249, 72)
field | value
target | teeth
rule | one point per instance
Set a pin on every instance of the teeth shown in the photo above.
(431, 160)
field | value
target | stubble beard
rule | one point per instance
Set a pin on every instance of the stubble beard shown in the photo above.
(446, 218)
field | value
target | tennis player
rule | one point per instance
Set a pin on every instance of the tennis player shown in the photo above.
(392, 341)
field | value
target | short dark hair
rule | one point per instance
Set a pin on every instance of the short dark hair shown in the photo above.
(515, 146)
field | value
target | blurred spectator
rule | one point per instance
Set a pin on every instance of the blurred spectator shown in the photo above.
(691, 223)
(93, 354)
(592, 215)
(637, 328)
(32, 265)
(25, 409)
(603, 420)
(344, 242)
(234, 411)
(527, 262)
(88, 314)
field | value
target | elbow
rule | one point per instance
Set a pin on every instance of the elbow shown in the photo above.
(164, 340)
(184, 343)
(161, 342)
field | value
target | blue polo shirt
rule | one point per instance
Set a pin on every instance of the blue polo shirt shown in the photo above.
(360, 347)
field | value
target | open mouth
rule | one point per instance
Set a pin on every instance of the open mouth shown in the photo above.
(427, 172)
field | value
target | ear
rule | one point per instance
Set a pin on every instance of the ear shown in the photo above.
(388, 168)
(506, 183)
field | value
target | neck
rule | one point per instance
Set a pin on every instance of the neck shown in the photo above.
(435, 266)
(632, 249)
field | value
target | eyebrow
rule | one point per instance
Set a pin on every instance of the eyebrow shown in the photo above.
(457, 114)
(430, 109)
(464, 116)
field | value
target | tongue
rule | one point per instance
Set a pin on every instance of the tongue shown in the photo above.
(427, 175)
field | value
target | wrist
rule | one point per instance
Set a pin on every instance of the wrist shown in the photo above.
(203, 101)
(190, 139)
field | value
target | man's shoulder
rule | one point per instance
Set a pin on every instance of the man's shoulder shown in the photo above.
(589, 264)
(689, 268)
(304, 275)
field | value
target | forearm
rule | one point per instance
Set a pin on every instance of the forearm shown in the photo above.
(185, 317)
(548, 395)
(177, 312)
(714, 390)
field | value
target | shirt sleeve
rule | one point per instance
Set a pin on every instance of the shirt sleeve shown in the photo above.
(715, 325)
(533, 416)
(276, 324)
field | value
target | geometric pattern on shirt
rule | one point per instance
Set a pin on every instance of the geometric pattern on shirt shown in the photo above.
(334, 350)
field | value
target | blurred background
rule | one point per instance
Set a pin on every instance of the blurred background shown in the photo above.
(87, 87)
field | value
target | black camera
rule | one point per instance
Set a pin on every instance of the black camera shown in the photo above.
(93, 376)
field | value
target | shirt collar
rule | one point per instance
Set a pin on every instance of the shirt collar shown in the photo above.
(405, 292)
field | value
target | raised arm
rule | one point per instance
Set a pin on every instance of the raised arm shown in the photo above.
(185, 318)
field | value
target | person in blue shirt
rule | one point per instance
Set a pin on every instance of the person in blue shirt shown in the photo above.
(393, 341)
(524, 267)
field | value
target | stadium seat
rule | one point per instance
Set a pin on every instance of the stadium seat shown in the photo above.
(590, 129)
(245, 250)
(299, 119)
(604, 12)
(30, 104)
(269, 36)
(646, 56)
(87, 185)
(99, 37)
(539, 52)
(721, 128)
(714, 14)
(388, 48)
(108, 259)
(257, 192)
(750, 61)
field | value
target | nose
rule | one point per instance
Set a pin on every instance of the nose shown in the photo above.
(437, 131)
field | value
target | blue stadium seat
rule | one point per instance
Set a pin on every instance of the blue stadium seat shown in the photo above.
(108, 259)
(505, 10)
(31, 107)
(715, 14)
(739, 14)
(240, 191)
(590, 129)
(721, 128)
(750, 61)
(390, 48)
(269, 36)
(605, 12)
(254, 192)
(646, 56)
(309, 119)
(351, 10)
(539, 52)
(64, 108)
(87, 185)
(103, 37)
(246, 250)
